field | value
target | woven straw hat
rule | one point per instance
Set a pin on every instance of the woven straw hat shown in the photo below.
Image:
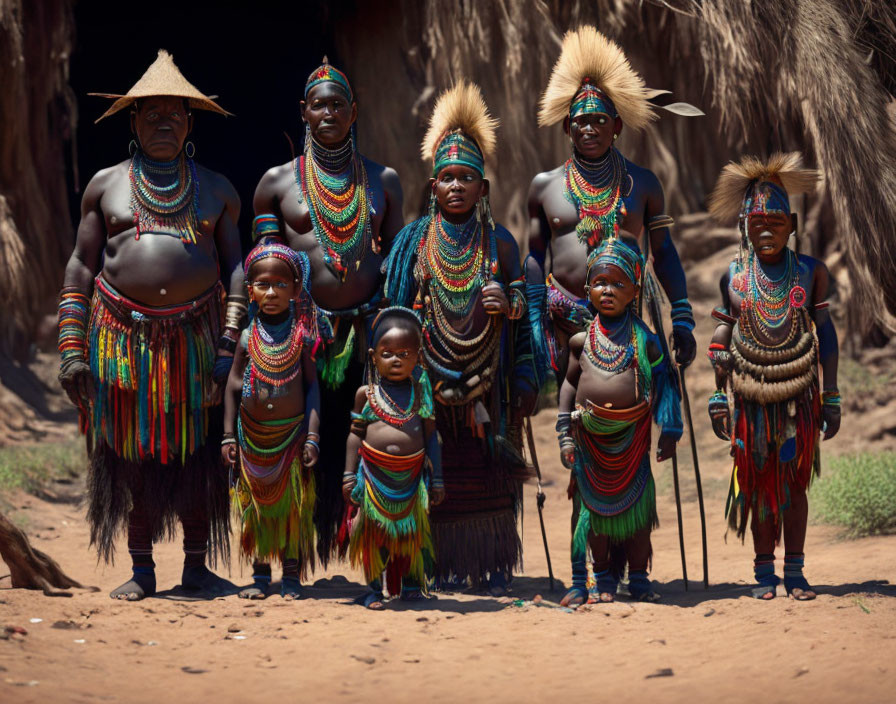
(162, 78)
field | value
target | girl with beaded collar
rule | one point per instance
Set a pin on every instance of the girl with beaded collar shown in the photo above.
(462, 271)
(617, 378)
(271, 420)
(773, 331)
(393, 463)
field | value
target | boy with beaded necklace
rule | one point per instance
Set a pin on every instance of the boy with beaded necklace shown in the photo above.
(273, 402)
(616, 377)
(392, 441)
(773, 331)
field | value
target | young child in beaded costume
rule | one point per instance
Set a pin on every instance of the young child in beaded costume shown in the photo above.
(462, 271)
(273, 404)
(774, 329)
(393, 462)
(617, 377)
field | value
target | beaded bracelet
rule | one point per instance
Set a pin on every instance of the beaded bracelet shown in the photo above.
(719, 355)
(682, 314)
(718, 404)
(831, 397)
(313, 444)
(517, 300)
(228, 441)
(73, 313)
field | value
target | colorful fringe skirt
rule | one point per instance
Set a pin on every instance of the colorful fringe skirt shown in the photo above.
(392, 529)
(153, 373)
(613, 473)
(275, 495)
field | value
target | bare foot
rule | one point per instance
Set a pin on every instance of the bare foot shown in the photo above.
(253, 592)
(202, 579)
(138, 587)
(798, 594)
(372, 601)
(412, 595)
(574, 597)
(606, 597)
(764, 592)
(291, 588)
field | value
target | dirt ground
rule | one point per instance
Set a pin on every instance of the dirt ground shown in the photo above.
(715, 644)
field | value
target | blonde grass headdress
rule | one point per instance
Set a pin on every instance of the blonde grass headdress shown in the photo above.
(756, 186)
(162, 78)
(593, 70)
(461, 130)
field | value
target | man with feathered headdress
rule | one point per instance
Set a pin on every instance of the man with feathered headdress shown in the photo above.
(139, 319)
(598, 193)
(462, 271)
(343, 210)
(774, 329)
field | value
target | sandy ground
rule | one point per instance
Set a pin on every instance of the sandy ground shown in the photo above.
(716, 644)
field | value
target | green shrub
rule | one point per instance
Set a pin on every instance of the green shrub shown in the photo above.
(28, 466)
(858, 492)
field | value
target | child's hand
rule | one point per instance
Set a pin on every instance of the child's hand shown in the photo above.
(78, 383)
(573, 486)
(228, 453)
(494, 300)
(568, 456)
(436, 495)
(720, 415)
(347, 488)
(830, 417)
(310, 455)
(665, 447)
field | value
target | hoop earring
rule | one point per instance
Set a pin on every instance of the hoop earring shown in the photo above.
(133, 147)
(190, 150)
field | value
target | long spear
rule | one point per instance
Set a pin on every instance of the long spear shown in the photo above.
(539, 497)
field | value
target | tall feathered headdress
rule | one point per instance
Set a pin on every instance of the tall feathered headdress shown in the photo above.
(590, 65)
(461, 130)
(752, 185)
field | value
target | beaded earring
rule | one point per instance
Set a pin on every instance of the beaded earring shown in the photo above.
(433, 204)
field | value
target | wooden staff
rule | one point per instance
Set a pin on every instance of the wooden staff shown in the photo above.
(539, 497)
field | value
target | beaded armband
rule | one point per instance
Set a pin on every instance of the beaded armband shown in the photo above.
(359, 425)
(719, 356)
(517, 299)
(74, 308)
(658, 222)
(264, 226)
(237, 308)
(718, 404)
(723, 317)
(831, 397)
(682, 315)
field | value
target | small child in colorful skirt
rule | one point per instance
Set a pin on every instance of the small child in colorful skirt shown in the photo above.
(393, 464)
(273, 403)
(774, 332)
(617, 378)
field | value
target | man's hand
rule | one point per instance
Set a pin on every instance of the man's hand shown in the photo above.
(665, 448)
(494, 300)
(348, 486)
(830, 421)
(684, 345)
(77, 381)
(436, 495)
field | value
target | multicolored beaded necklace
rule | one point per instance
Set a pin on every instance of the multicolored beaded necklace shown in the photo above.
(455, 262)
(768, 302)
(173, 206)
(606, 354)
(595, 189)
(388, 409)
(334, 184)
(275, 352)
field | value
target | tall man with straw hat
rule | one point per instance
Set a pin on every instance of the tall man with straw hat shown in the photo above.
(598, 193)
(140, 322)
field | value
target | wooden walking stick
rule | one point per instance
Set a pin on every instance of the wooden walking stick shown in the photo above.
(539, 497)
(687, 412)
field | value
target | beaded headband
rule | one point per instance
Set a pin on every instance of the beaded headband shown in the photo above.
(378, 328)
(764, 197)
(614, 251)
(325, 73)
(297, 261)
(458, 148)
(591, 99)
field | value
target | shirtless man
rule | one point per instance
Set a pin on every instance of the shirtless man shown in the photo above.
(598, 193)
(343, 210)
(140, 316)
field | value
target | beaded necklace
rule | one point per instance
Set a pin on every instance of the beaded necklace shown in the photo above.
(334, 184)
(388, 409)
(595, 189)
(768, 302)
(455, 261)
(172, 206)
(607, 355)
(275, 351)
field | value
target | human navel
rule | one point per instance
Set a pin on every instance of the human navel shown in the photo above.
(163, 291)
